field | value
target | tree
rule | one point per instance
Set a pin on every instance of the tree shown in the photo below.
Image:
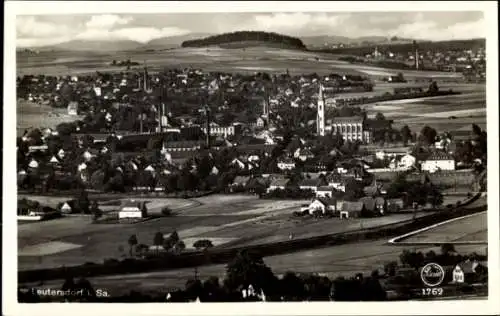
(390, 268)
(292, 287)
(433, 87)
(447, 248)
(435, 197)
(203, 243)
(406, 134)
(247, 269)
(380, 117)
(82, 202)
(132, 241)
(158, 240)
(428, 135)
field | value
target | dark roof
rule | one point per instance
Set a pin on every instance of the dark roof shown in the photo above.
(311, 182)
(353, 206)
(279, 182)
(327, 201)
(348, 119)
(325, 188)
(440, 156)
(368, 202)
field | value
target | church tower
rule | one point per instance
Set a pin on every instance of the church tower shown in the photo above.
(320, 121)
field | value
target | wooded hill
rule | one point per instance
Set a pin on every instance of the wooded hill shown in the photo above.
(253, 37)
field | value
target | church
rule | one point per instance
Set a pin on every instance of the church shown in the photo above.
(353, 128)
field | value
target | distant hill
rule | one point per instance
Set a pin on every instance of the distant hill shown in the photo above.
(252, 38)
(95, 46)
(172, 41)
(321, 40)
(404, 48)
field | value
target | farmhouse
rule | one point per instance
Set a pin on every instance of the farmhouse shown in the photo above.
(131, 209)
(466, 272)
(66, 208)
(278, 184)
(324, 205)
(438, 161)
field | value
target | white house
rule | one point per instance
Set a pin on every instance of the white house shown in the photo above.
(337, 182)
(405, 162)
(236, 162)
(303, 154)
(322, 204)
(130, 209)
(61, 153)
(82, 166)
(87, 155)
(73, 108)
(438, 161)
(325, 192)
(286, 164)
(33, 164)
(65, 208)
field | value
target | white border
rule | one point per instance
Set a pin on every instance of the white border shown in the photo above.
(12, 8)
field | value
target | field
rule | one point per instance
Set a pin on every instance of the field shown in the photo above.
(32, 115)
(210, 59)
(227, 221)
(470, 229)
(342, 260)
(444, 113)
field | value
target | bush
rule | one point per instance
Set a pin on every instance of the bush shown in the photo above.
(203, 243)
(317, 213)
(166, 211)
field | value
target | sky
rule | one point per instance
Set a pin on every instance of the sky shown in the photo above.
(42, 30)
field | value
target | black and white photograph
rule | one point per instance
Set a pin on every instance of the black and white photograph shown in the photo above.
(251, 154)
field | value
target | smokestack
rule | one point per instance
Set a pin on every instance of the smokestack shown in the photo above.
(145, 76)
(415, 48)
(207, 111)
(164, 113)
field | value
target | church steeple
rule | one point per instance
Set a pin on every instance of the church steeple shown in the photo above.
(320, 121)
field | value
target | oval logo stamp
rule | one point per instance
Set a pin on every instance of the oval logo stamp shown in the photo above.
(432, 274)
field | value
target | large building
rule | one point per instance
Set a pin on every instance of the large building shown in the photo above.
(351, 128)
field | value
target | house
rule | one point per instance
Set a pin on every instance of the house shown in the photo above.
(61, 153)
(324, 205)
(131, 209)
(337, 182)
(465, 272)
(303, 154)
(438, 161)
(73, 108)
(351, 209)
(54, 160)
(325, 192)
(395, 205)
(214, 170)
(403, 162)
(66, 208)
(261, 122)
(33, 164)
(238, 163)
(286, 164)
(278, 184)
(239, 181)
(311, 184)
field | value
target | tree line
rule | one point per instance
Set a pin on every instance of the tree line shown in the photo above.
(243, 36)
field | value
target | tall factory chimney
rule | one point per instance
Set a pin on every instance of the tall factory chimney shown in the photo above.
(417, 57)
(207, 111)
